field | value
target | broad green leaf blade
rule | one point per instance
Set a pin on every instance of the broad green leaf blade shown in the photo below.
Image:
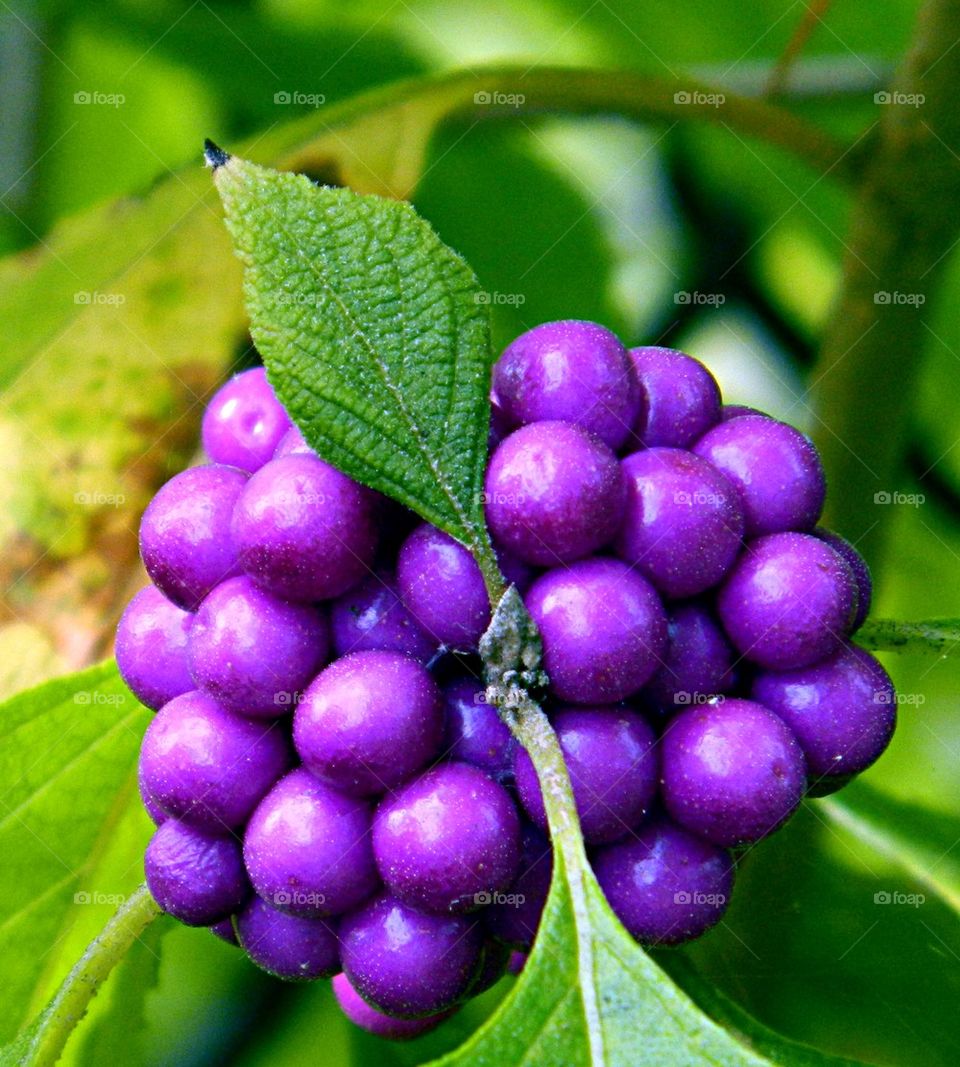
(67, 750)
(374, 333)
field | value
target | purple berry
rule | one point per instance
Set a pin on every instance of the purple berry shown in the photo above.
(253, 651)
(307, 848)
(736, 411)
(406, 962)
(842, 711)
(861, 572)
(291, 442)
(493, 966)
(244, 422)
(775, 469)
(372, 617)
(554, 493)
(225, 931)
(292, 947)
(698, 662)
(613, 767)
(518, 960)
(368, 722)
(788, 602)
(152, 808)
(683, 399)
(448, 840)
(196, 878)
(572, 371)
(475, 733)
(305, 531)
(152, 648)
(604, 630)
(359, 1012)
(208, 766)
(185, 540)
(514, 916)
(732, 771)
(665, 885)
(683, 523)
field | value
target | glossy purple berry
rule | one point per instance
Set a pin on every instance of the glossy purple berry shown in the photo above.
(775, 469)
(448, 840)
(368, 722)
(359, 1012)
(303, 530)
(307, 848)
(732, 771)
(225, 932)
(253, 651)
(788, 602)
(291, 442)
(682, 524)
(195, 877)
(604, 630)
(683, 399)
(736, 411)
(185, 539)
(514, 916)
(614, 770)
(209, 766)
(861, 572)
(698, 662)
(664, 884)
(372, 617)
(292, 947)
(151, 648)
(406, 962)
(842, 710)
(554, 493)
(442, 586)
(150, 805)
(475, 733)
(571, 371)
(244, 421)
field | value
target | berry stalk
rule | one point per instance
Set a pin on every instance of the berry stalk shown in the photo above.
(934, 636)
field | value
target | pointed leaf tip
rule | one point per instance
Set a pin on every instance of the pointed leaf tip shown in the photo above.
(214, 155)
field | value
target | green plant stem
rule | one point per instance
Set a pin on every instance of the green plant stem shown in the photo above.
(44, 1042)
(905, 221)
(938, 637)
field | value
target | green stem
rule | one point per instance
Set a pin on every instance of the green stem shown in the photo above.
(44, 1042)
(905, 221)
(935, 636)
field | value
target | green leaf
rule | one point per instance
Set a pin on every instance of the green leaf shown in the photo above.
(938, 637)
(67, 749)
(375, 336)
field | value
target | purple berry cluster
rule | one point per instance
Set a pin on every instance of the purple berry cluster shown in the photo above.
(330, 787)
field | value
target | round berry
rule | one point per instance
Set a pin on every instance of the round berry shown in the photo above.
(185, 540)
(152, 808)
(683, 523)
(573, 371)
(372, 617)
(359, 1012)
(612, 761)
(368, 722)
(788, 602)
(698, 662)
(554, 493)
(775, 469)
(305, 531)
(225, 931)
(861, 572)
(665, 885)
(307, 848)
(292, 441)
(292, 947)
(735, 411)
(406, 962)
(732, 771)
(208, 766)
(604, 630)
(193, 876)
(448, 839)
(683, 399)
(244, 421)
(152, 648)
(475, 733)
(842, 710)
(253, 651)
(514, 916)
